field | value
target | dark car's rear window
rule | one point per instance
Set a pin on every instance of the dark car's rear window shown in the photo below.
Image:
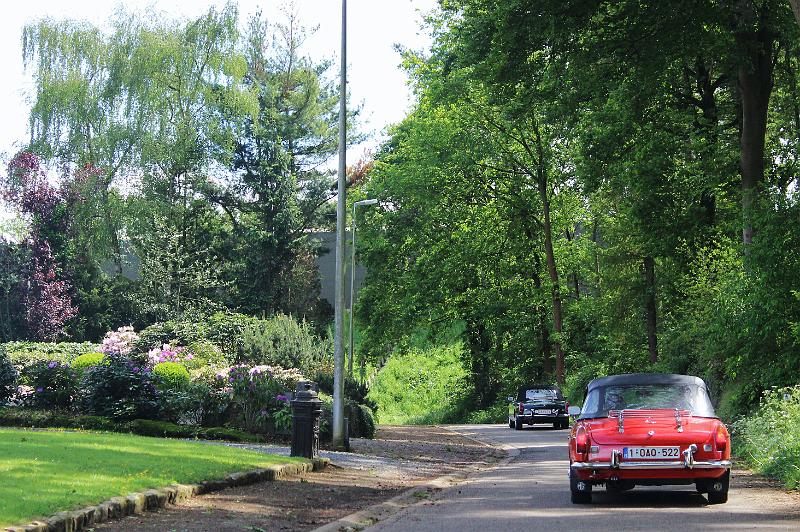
(539, 393)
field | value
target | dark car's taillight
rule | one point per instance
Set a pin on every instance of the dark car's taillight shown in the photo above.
(566, 406)
(521, 407)
(721, 438)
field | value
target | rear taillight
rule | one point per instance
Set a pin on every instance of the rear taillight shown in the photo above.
(582, 442)
(521, 407)
(721, 438)
(566, 406)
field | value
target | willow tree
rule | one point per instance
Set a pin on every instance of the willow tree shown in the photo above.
(84, 114)
(146, 103)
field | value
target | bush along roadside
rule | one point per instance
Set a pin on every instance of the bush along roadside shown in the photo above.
(769, 439)
(127, 379)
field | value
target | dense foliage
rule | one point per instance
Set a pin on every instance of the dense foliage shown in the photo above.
(424, 385)
(24, 353)
(173, 375)
(53, 384)
(88, 360)
(283, 341)
(593, 188)
(119, 389)
(769, 439)
(193, 389)
(8, 377)
(191, 157)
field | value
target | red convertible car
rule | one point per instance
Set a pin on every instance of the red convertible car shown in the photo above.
(648, 429)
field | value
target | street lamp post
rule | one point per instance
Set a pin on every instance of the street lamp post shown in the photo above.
(341, 214)
(353, 278)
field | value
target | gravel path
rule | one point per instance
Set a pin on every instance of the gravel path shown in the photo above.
(397, 459)
(381, 465)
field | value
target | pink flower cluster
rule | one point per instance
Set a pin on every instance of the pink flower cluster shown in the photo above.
(119, 342)
(286, 377)
(167, 354)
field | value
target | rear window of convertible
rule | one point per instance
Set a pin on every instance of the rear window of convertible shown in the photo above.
(689, 397)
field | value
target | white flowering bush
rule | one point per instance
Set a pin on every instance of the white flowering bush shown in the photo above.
(119, 342)
(166, 353)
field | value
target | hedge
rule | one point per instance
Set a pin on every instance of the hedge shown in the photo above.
(21, 417)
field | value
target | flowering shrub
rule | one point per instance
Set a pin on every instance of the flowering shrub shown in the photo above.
(120, 389)
(54, 384)
(8, 377)
(22, 396)
(283, 416)
(119, 342)
(287, 378)
(258, 392)
(167, 354)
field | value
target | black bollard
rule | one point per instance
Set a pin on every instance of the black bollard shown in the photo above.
(306, 409)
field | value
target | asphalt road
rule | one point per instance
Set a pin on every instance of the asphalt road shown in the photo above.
(530, 491)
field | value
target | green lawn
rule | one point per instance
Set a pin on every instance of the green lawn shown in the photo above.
(43, 472)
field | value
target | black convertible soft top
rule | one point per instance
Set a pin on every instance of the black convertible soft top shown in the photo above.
(646, 378)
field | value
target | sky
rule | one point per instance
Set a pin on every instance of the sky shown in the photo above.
(374, 27)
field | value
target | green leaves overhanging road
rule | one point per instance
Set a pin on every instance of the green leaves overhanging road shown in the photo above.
(596, 187)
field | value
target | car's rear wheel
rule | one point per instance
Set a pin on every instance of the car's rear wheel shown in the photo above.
(556, 425)
(517, 423)
(717, 489)
(580, 490)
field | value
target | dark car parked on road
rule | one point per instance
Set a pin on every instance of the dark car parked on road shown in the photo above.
(538, 403)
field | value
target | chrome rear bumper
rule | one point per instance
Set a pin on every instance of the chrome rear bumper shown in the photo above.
(678, 464)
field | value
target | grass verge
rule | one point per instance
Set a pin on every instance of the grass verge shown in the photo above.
(45, 472)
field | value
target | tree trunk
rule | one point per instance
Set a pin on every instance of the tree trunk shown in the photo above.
(576, 285)
(544, 327)
(706, 88)
(650, 307)
(755, 87)
(479, 346)
(596, 240)
(551, 268)
(796, 8)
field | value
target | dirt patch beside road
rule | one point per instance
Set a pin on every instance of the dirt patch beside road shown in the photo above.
(409, 456)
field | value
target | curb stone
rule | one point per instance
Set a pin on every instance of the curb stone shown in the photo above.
(156, 499)
(419, 494)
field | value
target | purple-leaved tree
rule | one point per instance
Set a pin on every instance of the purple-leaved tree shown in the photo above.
(47, 300)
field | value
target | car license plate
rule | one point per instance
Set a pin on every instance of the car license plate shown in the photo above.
(543, 412)
(651, 453)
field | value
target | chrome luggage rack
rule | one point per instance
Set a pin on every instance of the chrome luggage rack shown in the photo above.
(634, 413)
